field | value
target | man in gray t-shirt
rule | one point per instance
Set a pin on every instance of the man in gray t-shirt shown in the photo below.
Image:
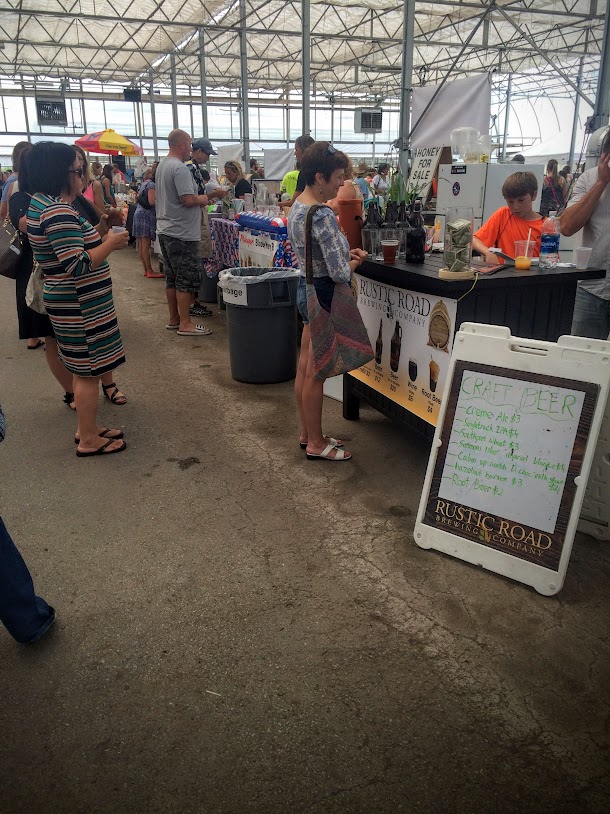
(589, 209)
(178, 207)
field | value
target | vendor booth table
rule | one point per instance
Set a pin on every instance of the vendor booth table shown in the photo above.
(227, 246)
(412, 315)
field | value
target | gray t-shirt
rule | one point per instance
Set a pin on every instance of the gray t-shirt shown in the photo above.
(174, 219)
(596, 233)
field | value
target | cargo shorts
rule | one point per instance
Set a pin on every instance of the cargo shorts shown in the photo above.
(181, 264)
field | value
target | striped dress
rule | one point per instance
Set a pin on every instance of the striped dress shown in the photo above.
(78, 300)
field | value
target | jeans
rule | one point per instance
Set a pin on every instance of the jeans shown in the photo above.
(26, 616)
(591, 315)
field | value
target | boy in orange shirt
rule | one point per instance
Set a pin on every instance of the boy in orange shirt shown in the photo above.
(513, 221)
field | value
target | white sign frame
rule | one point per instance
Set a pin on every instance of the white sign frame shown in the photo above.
(423, 169)
(570, 359)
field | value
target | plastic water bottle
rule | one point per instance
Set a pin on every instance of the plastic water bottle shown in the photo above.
(549, 242)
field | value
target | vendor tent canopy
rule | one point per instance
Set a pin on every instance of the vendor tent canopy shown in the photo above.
(356, 45)
(109, 143)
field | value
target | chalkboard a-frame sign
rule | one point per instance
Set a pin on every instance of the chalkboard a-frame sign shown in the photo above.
(512, 451)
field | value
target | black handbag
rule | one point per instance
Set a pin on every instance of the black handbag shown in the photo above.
(143, 199)
(10, 250)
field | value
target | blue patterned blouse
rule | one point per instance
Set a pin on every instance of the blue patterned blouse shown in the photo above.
(330, 248)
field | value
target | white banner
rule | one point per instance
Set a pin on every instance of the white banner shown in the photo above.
(465, 103)
(278, 163)
(230, 152)
(256, 250)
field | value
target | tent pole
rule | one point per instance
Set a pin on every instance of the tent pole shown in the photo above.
(509, 93)
(306, 65)
(172, 60)
(243, 55)
(153, 115)
(406, 85)
(203, 84)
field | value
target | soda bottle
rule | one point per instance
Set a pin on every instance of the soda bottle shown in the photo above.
(549, 242)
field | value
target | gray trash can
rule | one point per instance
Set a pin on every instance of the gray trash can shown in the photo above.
(262, 321)
(207, 289)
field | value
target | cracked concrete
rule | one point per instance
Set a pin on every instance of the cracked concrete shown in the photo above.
(241, 631)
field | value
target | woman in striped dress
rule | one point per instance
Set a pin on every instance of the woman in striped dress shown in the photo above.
(77, 287)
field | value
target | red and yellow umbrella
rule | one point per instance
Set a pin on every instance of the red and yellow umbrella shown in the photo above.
(109, 143)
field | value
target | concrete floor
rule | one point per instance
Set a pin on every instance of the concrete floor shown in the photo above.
(242, 631)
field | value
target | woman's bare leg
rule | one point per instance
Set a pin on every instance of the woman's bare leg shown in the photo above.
(56, 366)
(86, 394)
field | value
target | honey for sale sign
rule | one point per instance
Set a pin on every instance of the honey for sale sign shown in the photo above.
(412, 335)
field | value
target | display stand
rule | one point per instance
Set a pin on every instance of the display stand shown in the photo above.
(595, 514)
(512, 451)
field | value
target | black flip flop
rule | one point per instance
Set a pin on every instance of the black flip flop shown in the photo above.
(37, 345)
(103, 435)
(101, 450)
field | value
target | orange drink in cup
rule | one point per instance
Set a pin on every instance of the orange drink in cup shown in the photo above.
(523, 254)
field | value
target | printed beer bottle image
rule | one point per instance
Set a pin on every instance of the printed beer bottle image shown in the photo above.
(395, 347)
(412, 369)
(379, 344)
(434, 371)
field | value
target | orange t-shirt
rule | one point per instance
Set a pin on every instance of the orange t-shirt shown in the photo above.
(503, 228)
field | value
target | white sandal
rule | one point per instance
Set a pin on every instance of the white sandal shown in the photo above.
(341, 454)
(333, 441)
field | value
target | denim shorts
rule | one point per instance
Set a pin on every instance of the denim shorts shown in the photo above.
(325, 288)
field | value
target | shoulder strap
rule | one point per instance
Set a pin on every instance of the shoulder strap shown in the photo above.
(308, 249)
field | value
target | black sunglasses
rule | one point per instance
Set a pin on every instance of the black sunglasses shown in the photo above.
(330, 150)
(80, 172)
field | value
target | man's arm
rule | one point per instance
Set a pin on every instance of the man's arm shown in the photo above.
(194, 200)
(576, 216)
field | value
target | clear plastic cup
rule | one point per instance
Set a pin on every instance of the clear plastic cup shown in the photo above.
(118, 228)
(524, 254)
(582, 255)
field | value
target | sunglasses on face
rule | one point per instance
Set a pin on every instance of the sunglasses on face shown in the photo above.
(80, 172)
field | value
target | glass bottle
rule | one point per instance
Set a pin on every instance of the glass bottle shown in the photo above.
(416, 237)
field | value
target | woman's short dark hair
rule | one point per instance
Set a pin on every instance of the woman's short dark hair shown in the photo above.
(48, 165)
(205, 175)
(323, 158)
(303, 142)
(382, 167)
(107, 171)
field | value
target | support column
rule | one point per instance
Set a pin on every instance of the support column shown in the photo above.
(602, 97)
(153, 115)
(82, 107)
(203, 83)
(172, 62)
(306, 65)
(576, 111)
(25, 111)
(243, 55)
(509, 93)
(406, 85)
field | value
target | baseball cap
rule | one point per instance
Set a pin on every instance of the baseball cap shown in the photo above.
(203, 144)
